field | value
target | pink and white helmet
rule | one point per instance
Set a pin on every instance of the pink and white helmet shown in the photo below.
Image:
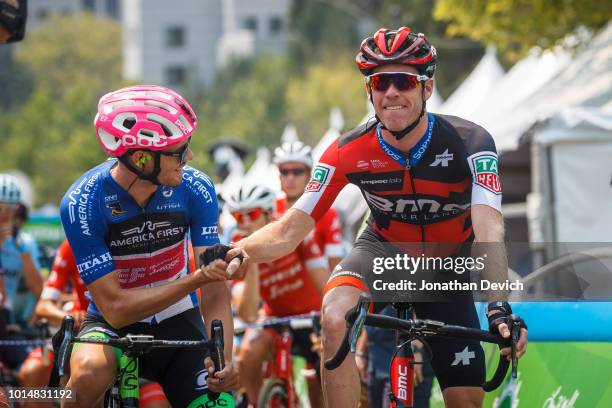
(143, 117)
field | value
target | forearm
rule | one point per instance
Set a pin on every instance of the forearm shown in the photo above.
(46, 308)
(31, 275)
(277, 238)
(216, 305)
(121, 307)
(248, 301)
(489, 244)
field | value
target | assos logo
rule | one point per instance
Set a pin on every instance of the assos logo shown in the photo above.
(201, 377)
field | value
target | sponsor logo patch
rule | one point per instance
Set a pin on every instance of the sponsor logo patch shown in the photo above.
(320, 174)
(362, 164)
(484, 168)
(115, 208)
(442, 159)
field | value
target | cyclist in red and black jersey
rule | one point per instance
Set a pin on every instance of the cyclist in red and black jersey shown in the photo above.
(428, 179)
(290, 285)
(294, 161)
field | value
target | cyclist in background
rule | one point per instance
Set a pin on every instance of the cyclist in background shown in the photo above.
(127, 221)
(18, 257)
(294, 161)
(290, 285)
(36, 370)
(427, 179)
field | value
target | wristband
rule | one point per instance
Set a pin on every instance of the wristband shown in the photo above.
(361, 354)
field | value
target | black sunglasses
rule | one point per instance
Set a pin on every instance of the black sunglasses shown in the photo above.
(180, 154)
(403, 81)
(295, 172)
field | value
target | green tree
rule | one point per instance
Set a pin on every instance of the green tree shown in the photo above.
(73, 61)
(73, 49)
(515, 26)
(247, 102)
(334, 81)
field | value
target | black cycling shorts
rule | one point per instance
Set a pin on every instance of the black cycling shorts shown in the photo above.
(455, 362)
(180, 372)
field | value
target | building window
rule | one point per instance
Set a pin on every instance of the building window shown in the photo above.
(250, 23)
(175, 37)
(176, 75)
(275, 25)
(89, 5)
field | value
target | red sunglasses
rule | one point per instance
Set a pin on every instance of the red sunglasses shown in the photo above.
(403, 81)
(253, 214)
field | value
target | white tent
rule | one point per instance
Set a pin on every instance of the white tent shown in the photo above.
(475, 87)
(522, 81)
(585, 81)
(572, 177)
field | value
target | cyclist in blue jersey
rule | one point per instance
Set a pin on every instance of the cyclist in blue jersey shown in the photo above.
(128, 221)
(19, 257)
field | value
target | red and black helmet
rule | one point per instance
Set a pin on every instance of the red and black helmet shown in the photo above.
(400, 46)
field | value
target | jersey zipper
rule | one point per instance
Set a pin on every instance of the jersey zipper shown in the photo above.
(419, 214)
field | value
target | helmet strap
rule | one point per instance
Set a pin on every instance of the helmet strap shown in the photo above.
(399, 134)
(139, 173)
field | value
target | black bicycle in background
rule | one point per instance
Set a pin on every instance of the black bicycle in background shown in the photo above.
(125, 391)
(401, 370)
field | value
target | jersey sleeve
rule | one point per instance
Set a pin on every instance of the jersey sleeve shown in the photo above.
(484, 166)
(84, 225)
(203, 208)
(58, 278)
(326, 182)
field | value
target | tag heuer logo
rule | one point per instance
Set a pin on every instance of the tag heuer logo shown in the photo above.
(485, 168)
(319, 176)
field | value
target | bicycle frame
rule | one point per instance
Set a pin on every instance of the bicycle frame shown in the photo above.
(133, 346)
(283, 363)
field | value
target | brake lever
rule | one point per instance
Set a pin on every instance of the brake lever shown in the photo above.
(515, 333)
(363, 305)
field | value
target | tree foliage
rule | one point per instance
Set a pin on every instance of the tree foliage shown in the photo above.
(72, 60)
(332, 82)
(515, 26)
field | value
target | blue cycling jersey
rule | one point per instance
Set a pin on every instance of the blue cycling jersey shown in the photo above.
(11, 264)
(108, 231)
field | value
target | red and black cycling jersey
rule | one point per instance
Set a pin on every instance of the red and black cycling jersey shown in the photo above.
(424, 197)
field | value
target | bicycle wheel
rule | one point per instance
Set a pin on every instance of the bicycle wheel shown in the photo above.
(273, 394)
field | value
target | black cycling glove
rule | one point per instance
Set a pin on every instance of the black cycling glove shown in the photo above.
(502, 314)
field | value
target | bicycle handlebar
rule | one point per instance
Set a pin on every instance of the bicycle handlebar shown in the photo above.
(139, 344)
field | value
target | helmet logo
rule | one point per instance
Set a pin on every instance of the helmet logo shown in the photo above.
(144, 141)
(181, 126)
